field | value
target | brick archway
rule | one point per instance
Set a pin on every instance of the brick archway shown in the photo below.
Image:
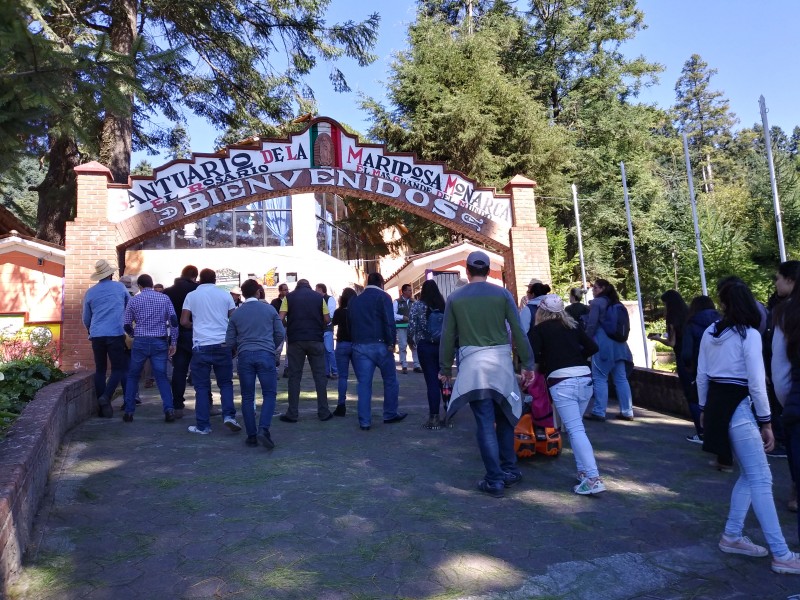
(322, 158)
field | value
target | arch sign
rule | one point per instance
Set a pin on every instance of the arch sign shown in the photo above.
(322, 158)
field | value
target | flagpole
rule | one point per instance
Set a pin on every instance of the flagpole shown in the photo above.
(633, 258)
(580, 239)
(694, 216)
(775, 201)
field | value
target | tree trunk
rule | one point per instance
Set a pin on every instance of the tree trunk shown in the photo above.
(116, 142)
(58, 191)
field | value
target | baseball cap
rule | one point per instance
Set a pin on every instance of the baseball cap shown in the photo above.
(478, 259)
(552, 303)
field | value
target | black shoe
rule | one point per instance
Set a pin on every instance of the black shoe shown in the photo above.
(286, 373)
(105, 410)
(286, 419)
(138, 400)
(340, 410)
(327, 417)
(494, 492)
(265, 439)
(214, 412)
(178, 412)
(621, 417)
(510, 479)
(364, 427)
(594, 417)
(396, 419)
(405, 371)
(251, 441)
(127, 417)
(169, 416)
(417, 369)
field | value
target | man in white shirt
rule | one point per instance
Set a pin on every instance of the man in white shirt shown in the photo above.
(206, 311)
(327, 337)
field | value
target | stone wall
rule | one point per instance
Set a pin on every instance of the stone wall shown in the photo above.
(659, 391)
(26, 456)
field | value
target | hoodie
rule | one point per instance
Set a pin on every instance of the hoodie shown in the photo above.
(730, 358)
(693, 333)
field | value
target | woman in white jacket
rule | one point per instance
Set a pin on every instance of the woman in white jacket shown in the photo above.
(730, 383)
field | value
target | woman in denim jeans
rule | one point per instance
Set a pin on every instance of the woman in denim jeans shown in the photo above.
(344, 349)
(731, 385)
(427, 348)
(561, 349)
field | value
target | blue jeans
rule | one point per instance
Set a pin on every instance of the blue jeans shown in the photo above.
(108, 349)
(754, 485)
(620, 377)
(157, 351)
(260, 364)
(344, 356)
(428, 354)
(365, 358)
(495, 441)
(331, 365)
(571, 397)
(204, 358)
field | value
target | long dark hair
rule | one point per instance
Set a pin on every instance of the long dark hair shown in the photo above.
(347, 294)
(787, 317)
(677, 312)
(431, 295)
(609, 291)
(739, 308)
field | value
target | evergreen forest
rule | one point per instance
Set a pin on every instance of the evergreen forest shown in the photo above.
(493, 88)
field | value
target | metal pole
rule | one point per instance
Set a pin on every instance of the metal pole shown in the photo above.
(776, 202)
(633, 258)
(580, 239)
(692, 199)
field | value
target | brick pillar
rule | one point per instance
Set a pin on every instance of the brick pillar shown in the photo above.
(529, 255)
(89, 238)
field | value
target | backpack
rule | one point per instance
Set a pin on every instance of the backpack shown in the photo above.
(435, 321)
(616, 322)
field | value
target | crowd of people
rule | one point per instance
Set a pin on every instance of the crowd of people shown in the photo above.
(739, 366)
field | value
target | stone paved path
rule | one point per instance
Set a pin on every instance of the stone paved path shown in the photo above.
(149, 511)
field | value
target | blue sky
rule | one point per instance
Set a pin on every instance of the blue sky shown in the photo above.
(750, 44)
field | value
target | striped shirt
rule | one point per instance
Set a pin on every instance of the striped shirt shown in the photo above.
(153, 314)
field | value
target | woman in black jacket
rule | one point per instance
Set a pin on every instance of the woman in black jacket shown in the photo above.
(561, 349)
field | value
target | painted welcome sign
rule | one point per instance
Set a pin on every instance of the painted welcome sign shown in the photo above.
(322, 156)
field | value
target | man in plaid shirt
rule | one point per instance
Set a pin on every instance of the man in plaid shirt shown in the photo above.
(154, 337)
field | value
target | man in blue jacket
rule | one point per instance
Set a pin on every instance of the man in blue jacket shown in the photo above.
(103, 308)
(372, 329)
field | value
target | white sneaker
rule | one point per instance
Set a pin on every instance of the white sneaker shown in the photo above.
(743, 545)
(589, 487)
(231, 424)
(195, 429)
(790, 566)
(695, 439)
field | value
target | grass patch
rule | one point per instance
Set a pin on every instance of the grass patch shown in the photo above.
(165, 483)
(52, 573)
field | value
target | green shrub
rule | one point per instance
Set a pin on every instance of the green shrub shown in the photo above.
(20, 379)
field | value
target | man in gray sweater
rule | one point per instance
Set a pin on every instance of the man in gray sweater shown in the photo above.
(254, 332)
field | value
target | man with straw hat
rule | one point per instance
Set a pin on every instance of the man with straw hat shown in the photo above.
(103, 308)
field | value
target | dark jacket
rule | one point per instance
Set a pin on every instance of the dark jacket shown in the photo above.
(304, 320)
(692, 334)
(340, 320)
(371, 317)
(177, 293)
(557, 347)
